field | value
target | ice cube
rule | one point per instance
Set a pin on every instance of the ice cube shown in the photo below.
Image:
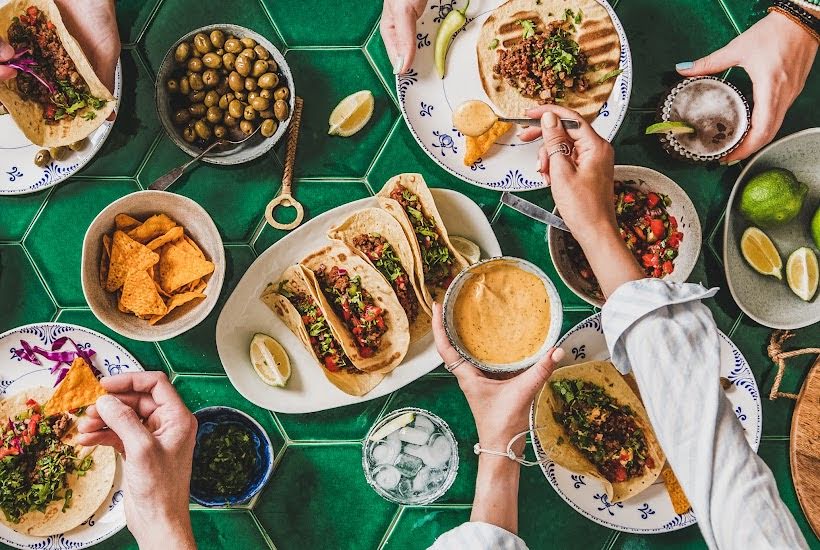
(393, 436)
(420, 451)
(435, 480)
(425, 424)
(440, 451)
(408, 465)
(387, 477)
(385, 452)
(413, 435)
(421, 480)
(405, 487)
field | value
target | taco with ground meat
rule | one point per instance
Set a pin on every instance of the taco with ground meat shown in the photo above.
(378, 238)
(363, 312)
(407, 198)
(553, 51)
(590, 421)
(293, 302)
(56, 98)
(48, 484)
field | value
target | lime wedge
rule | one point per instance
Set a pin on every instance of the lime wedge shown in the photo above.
(801, 273)
(351, 114)
(270, 361)
(466, 248)
(759, 250)
(670, 127)
(392, 426)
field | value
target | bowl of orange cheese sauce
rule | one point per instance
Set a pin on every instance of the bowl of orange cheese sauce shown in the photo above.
(502, 314)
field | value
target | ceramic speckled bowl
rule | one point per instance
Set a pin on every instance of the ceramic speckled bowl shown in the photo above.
(198, 226)
(765, 299)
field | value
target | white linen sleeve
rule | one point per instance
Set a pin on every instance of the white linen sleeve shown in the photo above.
(477, 535)
(668, 339)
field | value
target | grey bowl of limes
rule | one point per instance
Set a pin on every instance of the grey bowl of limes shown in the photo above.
(771, 237)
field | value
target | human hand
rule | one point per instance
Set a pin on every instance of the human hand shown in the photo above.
(500, 407)
(144, 418)
(6, 53)
(778, 55)
(398, 28)
(94, 24)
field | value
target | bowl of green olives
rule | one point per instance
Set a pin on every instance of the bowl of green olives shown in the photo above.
(224, 81)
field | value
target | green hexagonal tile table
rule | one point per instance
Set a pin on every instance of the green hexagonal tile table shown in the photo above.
(317, 497)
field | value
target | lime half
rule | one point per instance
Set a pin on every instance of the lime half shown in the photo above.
(801, 273)
(270, 361)
(351, 114)
(671, 127)
(392, 426)
(759, 250)
(466, 248)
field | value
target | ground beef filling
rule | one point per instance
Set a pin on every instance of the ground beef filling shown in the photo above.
(322, 341)
(382, 254)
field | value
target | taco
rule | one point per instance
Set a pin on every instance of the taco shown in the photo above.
(407, 198)
(591, 422)
(363, 312)
(291, 299)
(56, 98)
(553, 51)
(48, 484)
(378, 238)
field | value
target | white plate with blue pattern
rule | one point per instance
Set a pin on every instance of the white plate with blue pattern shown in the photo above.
(17, 374)
(651, 511)
(18, 173)
(427, 102)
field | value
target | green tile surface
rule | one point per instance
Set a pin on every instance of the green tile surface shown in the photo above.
(317, 497)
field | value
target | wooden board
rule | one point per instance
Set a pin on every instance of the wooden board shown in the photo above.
(805, 448)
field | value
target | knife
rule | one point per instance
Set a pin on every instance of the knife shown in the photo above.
(533, 211)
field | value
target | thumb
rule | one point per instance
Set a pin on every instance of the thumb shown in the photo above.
(715, 62)
(536, 376)
(123, 421)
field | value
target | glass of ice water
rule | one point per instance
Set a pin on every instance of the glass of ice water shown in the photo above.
(414, 464)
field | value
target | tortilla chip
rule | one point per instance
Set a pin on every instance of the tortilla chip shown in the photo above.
(178, 266)
(124, 222)
(477, 147)
(176, 301)
(105, 259)
(79, 388)
(140, 295)
(153, 227)
(200, 286)
(173, 234)
(127, 257)
(679, 501)
(195, 246)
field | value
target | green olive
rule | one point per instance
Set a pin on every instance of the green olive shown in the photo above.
(220, 52)
(267, 94)
(268, 127)
(195, 65)
(280, 109)
(202, 130)
(214, 115)
(252, 95)
(248, 42)
(197, 97)
(230, 121)
(197, 110)
(268, 80)
(261, 52)
(249, 113)
(59, 153)
(235, 108)
(224, 100)
(182, 53)
(202, 43)
(243, 65)
(246, 126)
(272, 65)
(260, 103)
(222, 88)
(79, 145)
(249, 53)
(241, 96)
(266, 114)
(181, 117)
(250, 84)
(229, 61)
(210, 78)
(211, 60)
(236, 82)
(220, 131)
(172, 86)
(233, 45)
(189, 134)
(281, 93)
(42, 158)
(211, 98)
(184, 86)
(195, 53)
(196, 82)
(260, 67)
(217, 38)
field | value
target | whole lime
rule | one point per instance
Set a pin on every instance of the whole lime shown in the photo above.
(815, 228)
(772, 198)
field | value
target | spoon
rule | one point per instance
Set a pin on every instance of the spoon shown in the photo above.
(474, 118)
(285, 198)
(164, 182)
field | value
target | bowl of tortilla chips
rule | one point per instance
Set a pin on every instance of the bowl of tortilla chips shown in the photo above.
(152, 266)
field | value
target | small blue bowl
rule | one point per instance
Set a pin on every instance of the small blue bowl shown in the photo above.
(208, 419)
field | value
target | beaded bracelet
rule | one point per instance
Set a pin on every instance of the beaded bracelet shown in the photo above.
(798, 15)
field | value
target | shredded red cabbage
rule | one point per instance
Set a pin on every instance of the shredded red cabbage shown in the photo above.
(25, 62)
(63, 359)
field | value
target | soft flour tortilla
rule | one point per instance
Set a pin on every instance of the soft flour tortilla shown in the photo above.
(395, 341)
(353, 383)
(29, 114)
(89, 491)
(376, 220)
(567, 455)
(416, 184)
(596, 35)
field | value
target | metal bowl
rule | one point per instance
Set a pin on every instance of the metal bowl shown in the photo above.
(556, 316)
(249, 150)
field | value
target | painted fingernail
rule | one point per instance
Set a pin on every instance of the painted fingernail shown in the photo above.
(398, 63)
(684, 65)
(558, 354)
(549, 120)
(731, 163)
